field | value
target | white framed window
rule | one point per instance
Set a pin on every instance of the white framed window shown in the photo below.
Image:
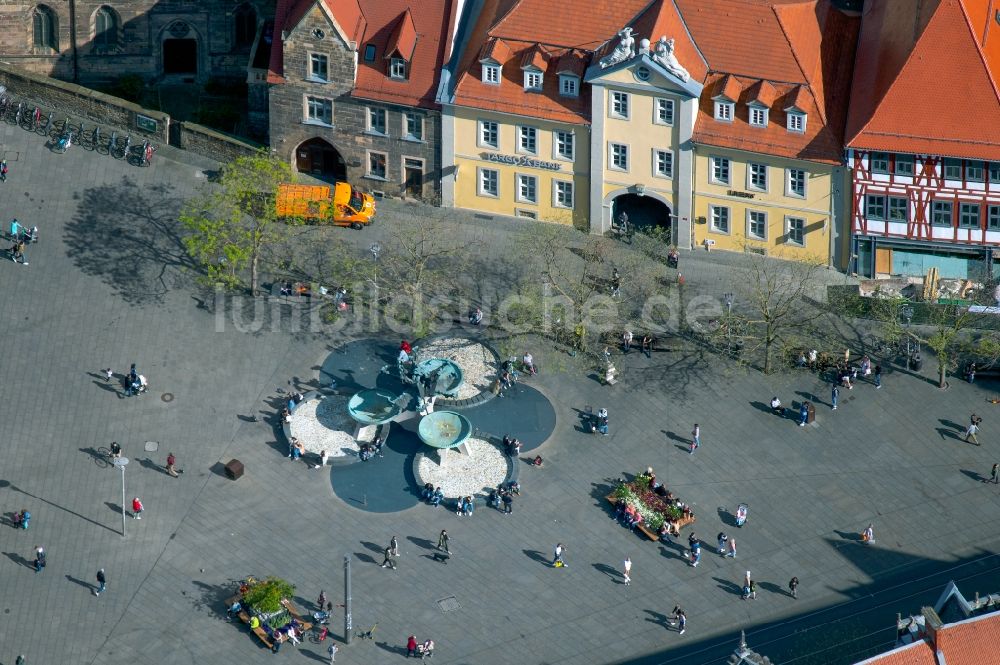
(527, 188)
(724, 111)
(489, 182)
(618, 104)
(757, 224)
(758, 116)
(319, 67)
(413, 126)
(719, 216)
(491, 74)
(527, 140)
(489, 134)
(562, 194)
(795, 121)
(376, 120)
(618, 156)
(564, 145)
(757, 176)
(795, 183)
(663, 111)
(663, 163)
(319, 110)
(719, 170)
(397, 68)
(532, 79)
(569, 85)
(377, 165)
(795, 231)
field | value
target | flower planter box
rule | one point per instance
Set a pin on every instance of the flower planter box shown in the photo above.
(652, 535)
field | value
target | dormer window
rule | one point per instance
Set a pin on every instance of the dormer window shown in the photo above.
(569, 85)
(796, 121)
(724, 110)
(758, 116)
(532, 79)
(397, 68)
(491, 74)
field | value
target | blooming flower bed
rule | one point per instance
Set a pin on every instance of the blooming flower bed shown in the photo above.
(479, 366)
(653, 507)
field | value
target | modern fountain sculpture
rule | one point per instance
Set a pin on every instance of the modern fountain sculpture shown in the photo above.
(445, 430)
(374, 406)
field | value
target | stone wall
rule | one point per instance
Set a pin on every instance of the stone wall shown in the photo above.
(82, 103)
(217, 145)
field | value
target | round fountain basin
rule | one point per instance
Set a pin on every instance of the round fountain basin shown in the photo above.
(446, 373)
(444, 429)
(373, 407)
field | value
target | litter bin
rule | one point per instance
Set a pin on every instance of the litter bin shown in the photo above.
(811, 412)
(234, 469)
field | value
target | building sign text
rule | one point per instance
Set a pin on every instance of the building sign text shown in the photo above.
(521, 160)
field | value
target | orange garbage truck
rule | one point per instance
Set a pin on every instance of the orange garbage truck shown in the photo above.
(344, 206)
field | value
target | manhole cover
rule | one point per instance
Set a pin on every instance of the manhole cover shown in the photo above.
(151, 446)
(167, 397)
(449, 604)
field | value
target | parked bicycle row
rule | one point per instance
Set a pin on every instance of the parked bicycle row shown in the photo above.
(64, 134)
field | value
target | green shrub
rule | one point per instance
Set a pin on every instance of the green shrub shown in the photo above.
(265, 596)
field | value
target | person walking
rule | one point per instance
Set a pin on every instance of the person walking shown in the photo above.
(108, 375)
(39, 558)
(102, 582)
(723, 541)
(394, 546)
(681, 618)
(732, 547)
(834, 394)
(387, 562)
(695, 554)
(994, 473)
(321, 601)
(803, 414)
(172, 466)
(616, 284)
(868, 535)
(411, 646)
(793, 587)
(137, 508)
(628, 571)
(332, 650)
(3, 170)
(695, 438)
(647, 345)
(508, 503)
(971, 432)
(878, 376)
(557, 560)
(626, 340)
(443, 541)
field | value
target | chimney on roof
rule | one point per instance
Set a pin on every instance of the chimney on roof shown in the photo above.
(932, 624)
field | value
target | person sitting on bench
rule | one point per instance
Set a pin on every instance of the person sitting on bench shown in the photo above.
(437, 497)
(427, 492)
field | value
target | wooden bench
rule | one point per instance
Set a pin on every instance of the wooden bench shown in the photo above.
(259, 631)
(649, 533)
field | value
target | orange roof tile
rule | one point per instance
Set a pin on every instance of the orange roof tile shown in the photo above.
(403, 38)
(661, 19)
(533, 56)
(799, 99)
(728, 87)
(968, 642)
(905, 52)
(762, 93)
(496, 50)
(918, 653)
(572, 62)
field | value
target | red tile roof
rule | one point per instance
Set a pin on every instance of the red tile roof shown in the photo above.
(762, 93)
(802, 49)
(908, 53)
(390, 27)
(973, 641)
(403, 38)
(918, 653)
(534, 56)
(727, 87)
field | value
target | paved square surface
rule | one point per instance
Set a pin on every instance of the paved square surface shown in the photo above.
(109, 284)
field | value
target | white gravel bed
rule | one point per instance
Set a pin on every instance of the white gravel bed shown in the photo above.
(479, 367)
(464, 475)
(325, 424)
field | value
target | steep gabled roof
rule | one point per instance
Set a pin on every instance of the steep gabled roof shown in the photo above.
(907, 54)
(761, 93)
(533, 57)
(403, 39)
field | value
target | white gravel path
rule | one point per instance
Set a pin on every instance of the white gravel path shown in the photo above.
(479, 367)
(459, 474)
(325, 424)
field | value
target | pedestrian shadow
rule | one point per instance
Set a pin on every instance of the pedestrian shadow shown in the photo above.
(361, 556)
(535, 555)
(441, 557)
(672, 550)
(421, 542)
(312, 655)
(975, 475)
(946, 433)
(849, 535)
(392, 648)
(674, 437)
(729, 586)
(658, 618)
(114, 507)
(726, 516)
(147, 463)
(85, 585)
(103, 385)
(771, 587)
(609, 571)
(19, 560)
(585, 418)
(952, 424)
(760, 406)
(372, 547)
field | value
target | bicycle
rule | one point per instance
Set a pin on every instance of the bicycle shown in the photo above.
(103, 457)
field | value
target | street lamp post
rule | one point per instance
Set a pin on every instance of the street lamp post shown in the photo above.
(907, 313)
(375, 248)
(348, 628)
(121, 463)
(729, 319)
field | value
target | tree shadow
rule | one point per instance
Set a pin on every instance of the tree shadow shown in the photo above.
(537, 556)
(86, 585)
(138, 249)
(19, 560)
(213, 597)
(729, 586)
